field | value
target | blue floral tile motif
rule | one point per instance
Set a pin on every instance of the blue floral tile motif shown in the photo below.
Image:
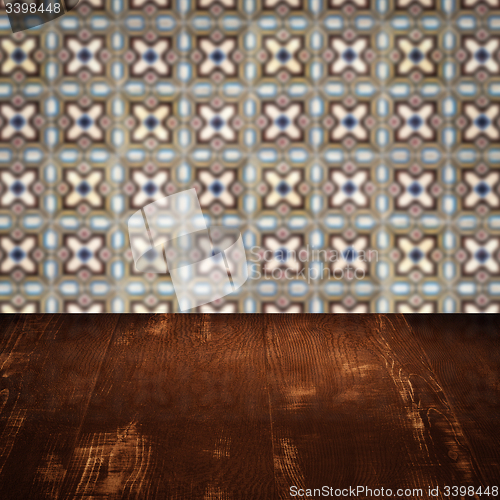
(323, 130)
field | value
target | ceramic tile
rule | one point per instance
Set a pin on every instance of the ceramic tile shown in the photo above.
(321, 130)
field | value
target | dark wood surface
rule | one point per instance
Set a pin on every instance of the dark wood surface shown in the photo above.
(246, 406)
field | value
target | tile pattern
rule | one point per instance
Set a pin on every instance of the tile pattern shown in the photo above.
(308, 124)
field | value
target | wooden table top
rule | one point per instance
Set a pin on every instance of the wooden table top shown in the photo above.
(246, 406)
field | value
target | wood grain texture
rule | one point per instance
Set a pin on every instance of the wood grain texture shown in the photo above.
(465, 356)
(180, 410)
(354, 402)
(245, 406)
(48, 368)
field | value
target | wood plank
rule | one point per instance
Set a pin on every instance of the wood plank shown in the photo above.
(18, 342)
(49, 366)
(5, 321)
(180, 410)
(447, 453)
(464, 352)
(355, 403)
